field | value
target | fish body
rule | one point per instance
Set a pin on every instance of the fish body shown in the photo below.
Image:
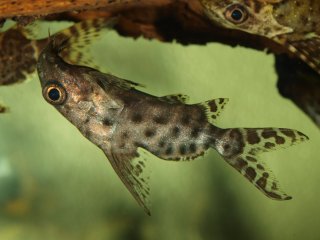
(293, 24)
(121, 120)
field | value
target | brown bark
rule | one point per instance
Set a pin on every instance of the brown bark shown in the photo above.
(13, 8)
(166, 20)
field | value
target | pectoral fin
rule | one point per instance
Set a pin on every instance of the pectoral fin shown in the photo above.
(130, 167)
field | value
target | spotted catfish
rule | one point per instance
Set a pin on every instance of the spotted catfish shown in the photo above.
(293, 24)
(121, 120)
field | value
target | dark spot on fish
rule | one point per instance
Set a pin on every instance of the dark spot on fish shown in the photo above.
(87, 120)
(269, 145)
(262, 182)
(182, 149)
(136, 117)
(260, 167)
(176, 131)
(237, 140)
(277, 196)
(206, 145)
(226, 147)
(250, 173)
(169, 150)
(241, 163)
(149, 132)
(213, 106)
(252, 137)
(288, 133)
(161, 119)
(107, 121)
(265, 175)
(192, 148)
(251, 159)
(185, 120)
(142, 163)
(280, 140)
(268, 134)
(162, 143)
(302, 135)
(195, 132)
(88, 134)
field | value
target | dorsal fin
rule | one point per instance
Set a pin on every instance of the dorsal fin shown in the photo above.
(106, 80)
(175, 98)
(213, 108)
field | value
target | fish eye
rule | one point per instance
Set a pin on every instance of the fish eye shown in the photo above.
(236, 14)
(54, 93)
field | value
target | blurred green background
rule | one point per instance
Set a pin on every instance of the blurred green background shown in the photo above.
(55, 184)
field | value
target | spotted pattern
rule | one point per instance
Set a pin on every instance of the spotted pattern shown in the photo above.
(240, 148)
(213, 108)
(15, 66)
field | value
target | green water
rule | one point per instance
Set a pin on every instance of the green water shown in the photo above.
(55, 184)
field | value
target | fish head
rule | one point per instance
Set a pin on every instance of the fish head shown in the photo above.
(67, 87)
(252, 16)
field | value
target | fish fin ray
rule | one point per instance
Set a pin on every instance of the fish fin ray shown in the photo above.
(213, 108)
(241, 147)
(80, 37)
(175, 98)
(108, 80)
(130, 168)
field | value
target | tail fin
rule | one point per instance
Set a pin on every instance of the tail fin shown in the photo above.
(241, 146)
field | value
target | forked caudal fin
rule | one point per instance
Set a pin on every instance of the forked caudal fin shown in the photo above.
(241, 146)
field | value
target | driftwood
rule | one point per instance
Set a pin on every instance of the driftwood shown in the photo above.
(166, 20)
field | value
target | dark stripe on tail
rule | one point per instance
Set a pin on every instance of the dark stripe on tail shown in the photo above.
(240, 147)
